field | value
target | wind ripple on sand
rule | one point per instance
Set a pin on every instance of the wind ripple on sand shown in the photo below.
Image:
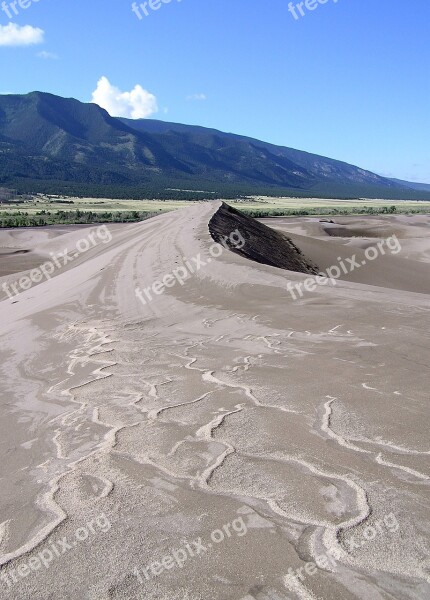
(220, 395)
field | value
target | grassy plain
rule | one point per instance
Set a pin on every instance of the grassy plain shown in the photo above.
(45, 210)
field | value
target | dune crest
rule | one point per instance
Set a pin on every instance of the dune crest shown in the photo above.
(262, 244)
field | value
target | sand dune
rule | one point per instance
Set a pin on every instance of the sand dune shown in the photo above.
(326, 243)
(217, 440)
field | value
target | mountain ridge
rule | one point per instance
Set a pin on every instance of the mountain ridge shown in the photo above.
(425, 187)
(51, 142)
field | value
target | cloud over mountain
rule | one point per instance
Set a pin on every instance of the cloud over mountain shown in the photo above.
(136, 104)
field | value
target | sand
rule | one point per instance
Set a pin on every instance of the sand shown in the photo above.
(223, 421)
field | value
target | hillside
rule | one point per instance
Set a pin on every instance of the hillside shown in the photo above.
(54, 144)
(422, 187)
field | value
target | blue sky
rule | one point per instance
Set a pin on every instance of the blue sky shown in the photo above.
(349, 79)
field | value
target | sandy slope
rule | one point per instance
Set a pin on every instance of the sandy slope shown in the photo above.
(325, 243)
(221, 401)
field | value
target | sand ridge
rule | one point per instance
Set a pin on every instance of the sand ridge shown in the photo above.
(222, 398)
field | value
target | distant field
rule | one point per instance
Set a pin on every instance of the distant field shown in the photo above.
(46, 211)
(327, 206)
(96, 205)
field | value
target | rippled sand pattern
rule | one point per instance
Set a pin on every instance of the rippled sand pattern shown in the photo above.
(221, 399)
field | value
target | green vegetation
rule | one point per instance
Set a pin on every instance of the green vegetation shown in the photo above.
(165, 188)
(41, 218)
(47, 210)
(330, 211)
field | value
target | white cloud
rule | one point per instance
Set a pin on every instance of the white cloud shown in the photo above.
(47, 55)
(197, 97)
(17, 35)
(136, 104)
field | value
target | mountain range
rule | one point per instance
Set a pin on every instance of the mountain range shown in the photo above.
(61, 145)
(424, 187)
